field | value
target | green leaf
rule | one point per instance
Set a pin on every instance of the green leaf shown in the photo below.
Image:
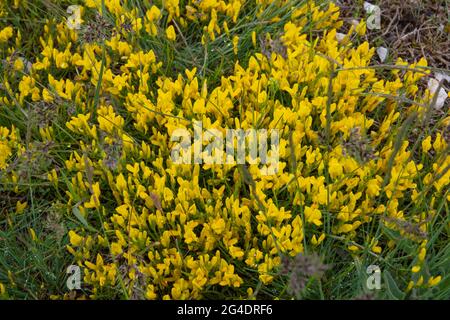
(80, 218)
(392, 289)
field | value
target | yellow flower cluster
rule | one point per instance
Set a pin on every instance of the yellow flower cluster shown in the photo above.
(8, 139)
(154, 229)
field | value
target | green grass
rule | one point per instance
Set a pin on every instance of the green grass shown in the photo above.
(36, 269)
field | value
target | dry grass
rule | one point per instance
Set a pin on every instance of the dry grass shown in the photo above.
(409, 28)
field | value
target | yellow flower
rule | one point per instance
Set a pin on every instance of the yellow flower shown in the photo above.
(168, 194)
(376, 249)
(52, 176)
(419, 282)
(361, 28)
(415, 269)
(75, 239)
(218, 226)
(5, 34)
(94, 201)
(236, 252)
(410, 286)
(150, 292)
(235, 44)
(426, 144)
(316, 241)
(116, 249)
(335, 168)
(345, 228)
(265, 278)
(439, 143)
(313, 215)
(173, 8)
(433, 281)
(154, 13)
(19, 65)
(32, 234)
(20, 207)
(189, 234)
(374, 187)
(5, 152)
(422, 254)
(170, 33)
(2, 289)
